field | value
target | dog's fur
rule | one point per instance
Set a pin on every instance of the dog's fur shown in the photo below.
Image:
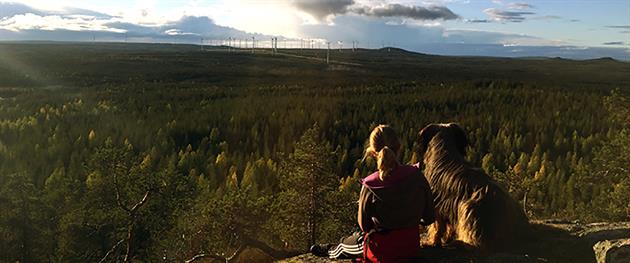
(471, 208)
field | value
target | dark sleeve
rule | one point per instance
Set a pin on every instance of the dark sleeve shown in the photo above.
(428, 214)
(363, 217)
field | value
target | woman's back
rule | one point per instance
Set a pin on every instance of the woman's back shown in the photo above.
(399, 201)
(390, 212)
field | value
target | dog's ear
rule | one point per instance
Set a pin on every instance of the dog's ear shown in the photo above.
(459, 135)
(424, 137)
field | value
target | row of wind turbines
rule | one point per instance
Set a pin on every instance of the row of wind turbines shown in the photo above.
(273, 44)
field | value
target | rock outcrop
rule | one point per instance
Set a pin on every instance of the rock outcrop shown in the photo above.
(617, 250)
(556, 241)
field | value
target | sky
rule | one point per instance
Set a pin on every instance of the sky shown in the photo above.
(459, 27)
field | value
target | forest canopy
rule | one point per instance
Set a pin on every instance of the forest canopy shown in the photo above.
(165, 170)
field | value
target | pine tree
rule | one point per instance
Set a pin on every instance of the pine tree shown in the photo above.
(306, 181)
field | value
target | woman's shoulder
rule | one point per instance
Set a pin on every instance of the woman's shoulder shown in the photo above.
(373, 180)
(399, 175)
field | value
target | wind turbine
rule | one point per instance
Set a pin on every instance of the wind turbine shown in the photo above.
(328, 53)
(253, 44)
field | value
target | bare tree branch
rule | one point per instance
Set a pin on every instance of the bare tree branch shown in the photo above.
(139, 204)
(131, 225)
(196, 257)
(217, 257)
(129, 239)
(111, 250)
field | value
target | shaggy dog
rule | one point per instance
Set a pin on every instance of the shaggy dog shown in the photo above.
(471, 207)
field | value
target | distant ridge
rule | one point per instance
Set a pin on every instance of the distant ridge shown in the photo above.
(304, 66)
(392, 50)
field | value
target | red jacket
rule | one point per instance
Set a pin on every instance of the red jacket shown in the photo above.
(390, 213)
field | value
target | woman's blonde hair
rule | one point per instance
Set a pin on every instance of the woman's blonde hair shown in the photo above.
(385, 145)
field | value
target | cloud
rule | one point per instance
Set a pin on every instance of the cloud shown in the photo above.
(613, 43)
(30, 21)
(69, 11)
(413, 12)
(511, 12)
(507, 16)
(9, 9)
(377, 33)
(625, 28)
(22, 24)
(477, 21)
(321, 9)
(519, 6)
(547, 17)
(25, 23)
(620, 27)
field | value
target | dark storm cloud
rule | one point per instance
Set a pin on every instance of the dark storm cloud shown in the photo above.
(404, 11)
(507, 16)
(321, 9)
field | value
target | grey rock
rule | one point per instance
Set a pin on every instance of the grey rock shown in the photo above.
(558, 241)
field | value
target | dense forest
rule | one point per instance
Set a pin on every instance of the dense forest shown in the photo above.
(96, 165)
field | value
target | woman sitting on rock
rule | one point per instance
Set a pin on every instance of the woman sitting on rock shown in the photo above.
(393, 202)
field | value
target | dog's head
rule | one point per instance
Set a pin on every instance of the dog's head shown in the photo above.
(447, 130)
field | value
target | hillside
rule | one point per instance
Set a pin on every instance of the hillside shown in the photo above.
(157, 152)
(85, 64)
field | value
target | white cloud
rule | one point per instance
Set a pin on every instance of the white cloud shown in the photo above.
(519, 6)
(506, 15)
(177, 32)
(55, 22)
